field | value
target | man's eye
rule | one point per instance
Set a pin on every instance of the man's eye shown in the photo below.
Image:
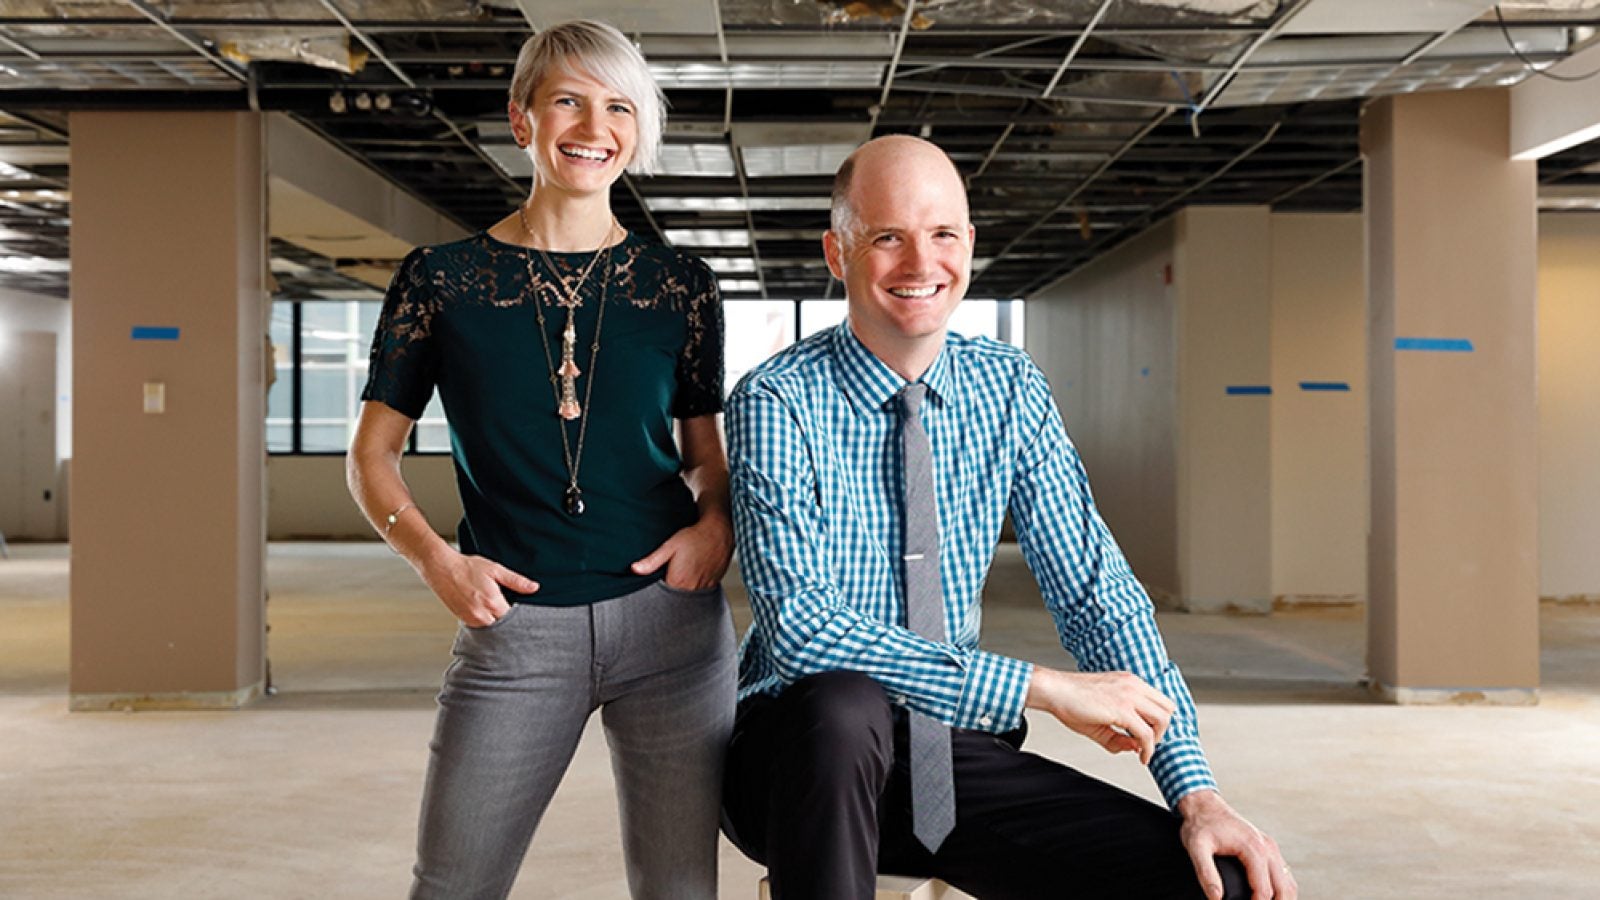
(566, 101)
(885, 238)
(622, 108)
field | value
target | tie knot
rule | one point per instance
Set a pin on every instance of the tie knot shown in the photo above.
(911, 399)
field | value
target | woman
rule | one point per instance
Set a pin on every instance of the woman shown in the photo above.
(593, 543)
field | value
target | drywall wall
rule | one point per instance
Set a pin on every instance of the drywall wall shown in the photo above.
(1319, 409)
(1104, 336)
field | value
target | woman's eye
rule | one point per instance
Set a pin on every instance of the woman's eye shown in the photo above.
(566, 101)
(622, 108)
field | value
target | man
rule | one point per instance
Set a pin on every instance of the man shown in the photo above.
(872, 466)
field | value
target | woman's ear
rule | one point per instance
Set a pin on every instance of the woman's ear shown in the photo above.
(521, 130)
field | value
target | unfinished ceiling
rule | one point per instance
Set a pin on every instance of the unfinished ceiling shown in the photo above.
(1076, 122)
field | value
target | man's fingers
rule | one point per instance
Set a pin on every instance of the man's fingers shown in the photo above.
(1283, 883)
(1205, 869)
(1143, 736)
(1159, 718)
(1259, 868)
(1116, 742)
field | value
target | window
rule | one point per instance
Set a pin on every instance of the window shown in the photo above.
(753, 330)
(320, 352)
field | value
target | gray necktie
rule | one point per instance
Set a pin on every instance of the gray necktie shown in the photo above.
(933, 796)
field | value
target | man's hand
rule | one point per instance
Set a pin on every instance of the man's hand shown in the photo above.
(469, 586)
(696, 557)
(1211, 828)
(1116, 710)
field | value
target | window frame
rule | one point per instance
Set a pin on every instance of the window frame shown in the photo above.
(1003, 314)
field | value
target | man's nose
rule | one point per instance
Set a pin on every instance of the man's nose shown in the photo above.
(919, 251)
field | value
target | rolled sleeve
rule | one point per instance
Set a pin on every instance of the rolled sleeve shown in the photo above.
(1180, 768)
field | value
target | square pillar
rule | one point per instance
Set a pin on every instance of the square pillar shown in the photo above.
(168, 311)
(1452, 250)
(1223, 269)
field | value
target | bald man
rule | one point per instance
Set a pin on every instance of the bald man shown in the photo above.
(872, 467)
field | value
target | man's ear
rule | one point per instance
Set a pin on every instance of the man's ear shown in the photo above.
(833, 252)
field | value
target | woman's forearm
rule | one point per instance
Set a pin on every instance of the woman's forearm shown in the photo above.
(380, 491)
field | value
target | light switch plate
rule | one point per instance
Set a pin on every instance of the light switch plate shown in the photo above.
(155, 396)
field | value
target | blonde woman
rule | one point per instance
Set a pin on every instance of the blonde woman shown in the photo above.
(580, 368)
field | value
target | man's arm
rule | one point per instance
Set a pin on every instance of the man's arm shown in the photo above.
(808, 626)
(1104, 617)
(1108, 624)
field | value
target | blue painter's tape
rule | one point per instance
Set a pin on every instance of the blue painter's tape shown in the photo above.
(1249, 389)
(1324, 386)
(1437, 345)
(154, 333)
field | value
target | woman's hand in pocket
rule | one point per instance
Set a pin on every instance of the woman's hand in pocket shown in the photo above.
(469, 586)
(696, 557)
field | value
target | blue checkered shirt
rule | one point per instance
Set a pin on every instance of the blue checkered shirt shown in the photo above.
(813, 445)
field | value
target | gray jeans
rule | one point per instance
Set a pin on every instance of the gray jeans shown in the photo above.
(658, 664)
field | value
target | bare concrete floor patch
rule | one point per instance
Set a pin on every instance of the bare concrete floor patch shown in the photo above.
(314, 792)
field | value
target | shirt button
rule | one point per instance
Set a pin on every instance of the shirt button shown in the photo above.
(900, 699)
(986, 721)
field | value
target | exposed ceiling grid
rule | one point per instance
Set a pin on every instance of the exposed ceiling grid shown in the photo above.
(1076, 123)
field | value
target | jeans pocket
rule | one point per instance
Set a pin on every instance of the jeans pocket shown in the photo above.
(688, 592)
(479, 629)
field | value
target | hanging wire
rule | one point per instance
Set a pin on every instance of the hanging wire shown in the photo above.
(1528, 63)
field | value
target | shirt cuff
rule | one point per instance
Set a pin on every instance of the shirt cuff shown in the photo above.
(993, 693)
(1180, 768)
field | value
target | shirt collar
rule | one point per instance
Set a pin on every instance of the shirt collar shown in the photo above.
(870, 383)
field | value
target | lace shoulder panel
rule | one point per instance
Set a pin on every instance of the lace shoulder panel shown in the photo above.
(403, 365)
(700, 366)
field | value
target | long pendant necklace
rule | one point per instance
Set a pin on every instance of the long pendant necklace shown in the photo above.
(563, 378)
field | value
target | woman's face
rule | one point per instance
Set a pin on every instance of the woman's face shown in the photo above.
(580, 133)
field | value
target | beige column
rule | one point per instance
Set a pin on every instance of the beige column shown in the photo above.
(1452, 274)
(168, 268)
(1222, 262)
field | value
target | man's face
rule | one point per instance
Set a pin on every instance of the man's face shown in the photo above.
(906, 263)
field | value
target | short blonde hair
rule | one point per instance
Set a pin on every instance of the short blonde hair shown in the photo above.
(603, 53)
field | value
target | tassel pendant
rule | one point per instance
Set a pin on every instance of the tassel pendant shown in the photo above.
(568, 408)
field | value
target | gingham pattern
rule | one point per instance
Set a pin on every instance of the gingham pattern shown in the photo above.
(816, 479)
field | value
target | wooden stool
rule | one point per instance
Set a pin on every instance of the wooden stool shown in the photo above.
(900, 887)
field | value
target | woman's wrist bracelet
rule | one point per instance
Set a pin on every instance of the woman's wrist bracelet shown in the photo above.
(389, 520)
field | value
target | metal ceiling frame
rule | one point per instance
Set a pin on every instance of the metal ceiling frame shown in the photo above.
(1032, 148)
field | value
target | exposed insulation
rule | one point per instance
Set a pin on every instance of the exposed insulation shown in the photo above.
(334, 50)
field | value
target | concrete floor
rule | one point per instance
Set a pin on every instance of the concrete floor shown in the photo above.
(313, 792)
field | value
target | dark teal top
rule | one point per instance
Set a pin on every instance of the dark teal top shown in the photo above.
(460, 317)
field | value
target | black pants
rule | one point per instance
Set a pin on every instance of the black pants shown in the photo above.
(817, 790)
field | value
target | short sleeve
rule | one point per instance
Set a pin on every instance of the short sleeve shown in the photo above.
(404, 364)
(699, 371)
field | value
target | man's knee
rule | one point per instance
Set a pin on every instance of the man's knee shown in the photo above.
(845, 715)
